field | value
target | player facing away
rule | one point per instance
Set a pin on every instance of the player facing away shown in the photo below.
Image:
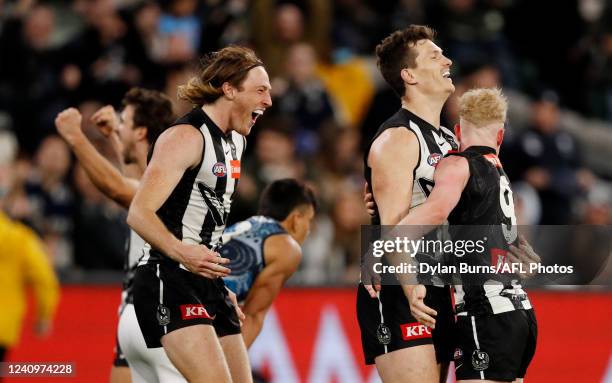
(399, 167)
(496, 326)
(145, 114)
(265, 250)
(180, 210)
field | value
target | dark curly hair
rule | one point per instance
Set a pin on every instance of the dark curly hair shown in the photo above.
(152, 110)
(396, 52)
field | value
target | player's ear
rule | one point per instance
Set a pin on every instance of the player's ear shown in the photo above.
(228, 90)
(457, 130)
(500, 137)
(291, 221)
(141, 133)
(408, 76)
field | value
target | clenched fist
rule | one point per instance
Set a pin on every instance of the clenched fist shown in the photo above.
(68, 124)
(106, 120)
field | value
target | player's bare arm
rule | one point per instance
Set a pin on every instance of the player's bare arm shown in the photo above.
(177, 150)
(282, 255)
(450, 177)
(107, 122)
(393, 157)
(100, 170)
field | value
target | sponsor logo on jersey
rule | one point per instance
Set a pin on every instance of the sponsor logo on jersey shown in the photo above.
(415, 330)
(433, 159)
(235, 168)
(480, 360)
(383, 333)
(163, 315)
(194, 311)
(219, 169)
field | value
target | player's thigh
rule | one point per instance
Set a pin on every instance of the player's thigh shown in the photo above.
(237, 358)
(196, 352)
(120, 374)
(409, 365)
(134, 348)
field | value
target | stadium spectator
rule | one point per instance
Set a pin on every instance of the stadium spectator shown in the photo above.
(549, 159)
(23, 264)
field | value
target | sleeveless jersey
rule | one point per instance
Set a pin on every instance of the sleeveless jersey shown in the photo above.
(485, 212)
(197, 209)
(433, 145)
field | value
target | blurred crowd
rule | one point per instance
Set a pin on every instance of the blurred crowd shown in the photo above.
(328, 101)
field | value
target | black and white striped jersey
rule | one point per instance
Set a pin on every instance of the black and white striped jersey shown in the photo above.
(197, 209)
(434, 143)
(485, 212)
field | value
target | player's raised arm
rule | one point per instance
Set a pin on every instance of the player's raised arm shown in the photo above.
(282, 255)
(178, 149)
(102, 173)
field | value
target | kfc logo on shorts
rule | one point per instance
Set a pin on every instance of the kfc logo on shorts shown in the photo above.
(433, 159)
(415, 330)
(219, 169)
(194, 311)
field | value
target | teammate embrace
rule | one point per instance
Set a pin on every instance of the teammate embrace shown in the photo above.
(495, 333)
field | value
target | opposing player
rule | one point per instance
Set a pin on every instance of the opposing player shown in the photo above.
(399, 167)
(264, 250)
(496, 327)
(181, 209)
(145, 114)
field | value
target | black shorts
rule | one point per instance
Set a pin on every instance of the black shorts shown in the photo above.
(119, 360)
(387, 325)
(496, 347)
(167, 298)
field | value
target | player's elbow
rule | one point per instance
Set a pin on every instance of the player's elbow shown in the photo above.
(133, 216)
(438, 215)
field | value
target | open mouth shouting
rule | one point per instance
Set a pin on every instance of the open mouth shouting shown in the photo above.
(255, 115)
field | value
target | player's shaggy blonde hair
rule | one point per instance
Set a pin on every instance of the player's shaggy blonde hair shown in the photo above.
(483, 106)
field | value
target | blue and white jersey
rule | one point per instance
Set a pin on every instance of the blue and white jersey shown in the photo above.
(243, 245)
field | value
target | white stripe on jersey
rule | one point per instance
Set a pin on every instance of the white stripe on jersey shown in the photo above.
(425, 171)
(135, 248)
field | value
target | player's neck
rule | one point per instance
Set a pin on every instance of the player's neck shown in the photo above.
(466, 142)
(426, 108)
(219, 113)
(141, 156)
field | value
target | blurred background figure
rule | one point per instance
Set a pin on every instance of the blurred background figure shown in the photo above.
(24, 264)
(549, 159)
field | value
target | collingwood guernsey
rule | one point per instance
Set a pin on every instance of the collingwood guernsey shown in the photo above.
(197, 209)
(433, 145)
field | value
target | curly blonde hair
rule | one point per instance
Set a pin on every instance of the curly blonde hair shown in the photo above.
(230, 64)
(483, 106)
